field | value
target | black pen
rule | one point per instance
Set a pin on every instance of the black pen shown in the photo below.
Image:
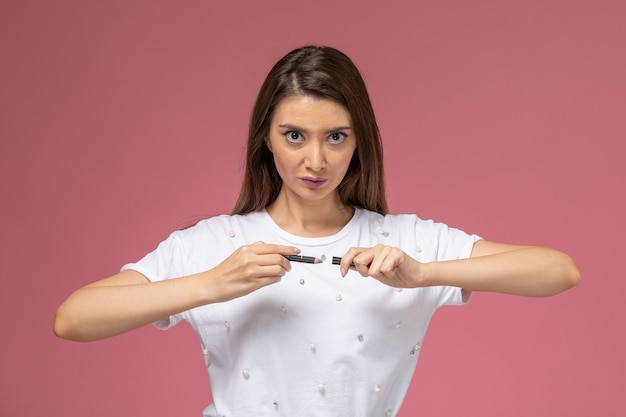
(304, 259)
(337, 261)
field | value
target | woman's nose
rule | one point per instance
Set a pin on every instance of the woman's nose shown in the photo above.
(315, 160)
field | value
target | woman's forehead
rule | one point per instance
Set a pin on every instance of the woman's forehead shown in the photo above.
(309, 110)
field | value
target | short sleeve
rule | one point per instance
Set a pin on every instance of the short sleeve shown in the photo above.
(437, 242)
(161, 264)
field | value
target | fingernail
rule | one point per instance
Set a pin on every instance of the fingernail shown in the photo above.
(343, 271)
(296, 250)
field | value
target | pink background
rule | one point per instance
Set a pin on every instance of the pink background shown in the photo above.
(121, 121)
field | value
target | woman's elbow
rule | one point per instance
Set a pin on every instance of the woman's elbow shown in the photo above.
(60, 326)
(65, 327)
(570, 276)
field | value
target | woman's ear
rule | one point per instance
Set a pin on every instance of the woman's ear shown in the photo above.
(268, 143)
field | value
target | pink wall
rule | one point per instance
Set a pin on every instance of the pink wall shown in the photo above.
(121, 121)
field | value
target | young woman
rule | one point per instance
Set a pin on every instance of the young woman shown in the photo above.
(337, 331)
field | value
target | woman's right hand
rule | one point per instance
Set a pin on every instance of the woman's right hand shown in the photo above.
(128, 300)
(246, 270)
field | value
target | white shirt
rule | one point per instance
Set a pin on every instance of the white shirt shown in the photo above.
(314, 344)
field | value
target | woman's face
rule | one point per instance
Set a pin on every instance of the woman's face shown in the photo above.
(312, 141)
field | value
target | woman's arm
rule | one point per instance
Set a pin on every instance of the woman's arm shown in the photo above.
(520, 270)
(495, 267)
(128, 300)
(121, 303)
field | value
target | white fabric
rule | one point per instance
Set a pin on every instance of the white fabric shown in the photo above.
(314, 344)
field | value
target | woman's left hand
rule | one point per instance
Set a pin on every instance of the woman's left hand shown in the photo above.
(388, 264)
(493, 267)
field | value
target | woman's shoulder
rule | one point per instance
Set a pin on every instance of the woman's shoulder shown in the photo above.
(400, 219)
(403, 224)
(432, 239)
(220, 220)
(225, 223)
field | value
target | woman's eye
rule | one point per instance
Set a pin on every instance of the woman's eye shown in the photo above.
(337, 137)
(293, 136)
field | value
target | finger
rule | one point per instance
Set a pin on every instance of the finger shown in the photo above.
(275, 259)
(265, 273)
(268, 276)
(268, 248)
(362, 262)
(392, 263)
(380, 260)
(272, 272)
(347, 260)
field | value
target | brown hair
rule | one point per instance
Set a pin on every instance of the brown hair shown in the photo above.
(320, 72)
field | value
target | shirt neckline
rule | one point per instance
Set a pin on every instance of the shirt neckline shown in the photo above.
(313, 241)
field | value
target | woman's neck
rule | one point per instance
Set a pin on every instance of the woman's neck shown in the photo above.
(316, 219)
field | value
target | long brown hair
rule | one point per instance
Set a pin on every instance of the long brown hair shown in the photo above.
(320, 72)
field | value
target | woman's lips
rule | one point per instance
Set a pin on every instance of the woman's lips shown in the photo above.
(313, 182)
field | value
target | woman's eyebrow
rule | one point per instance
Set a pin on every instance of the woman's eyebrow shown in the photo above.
(299, 129)
(338, 129)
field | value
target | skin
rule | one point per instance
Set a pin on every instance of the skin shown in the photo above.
(312, 142)
(310, 139)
